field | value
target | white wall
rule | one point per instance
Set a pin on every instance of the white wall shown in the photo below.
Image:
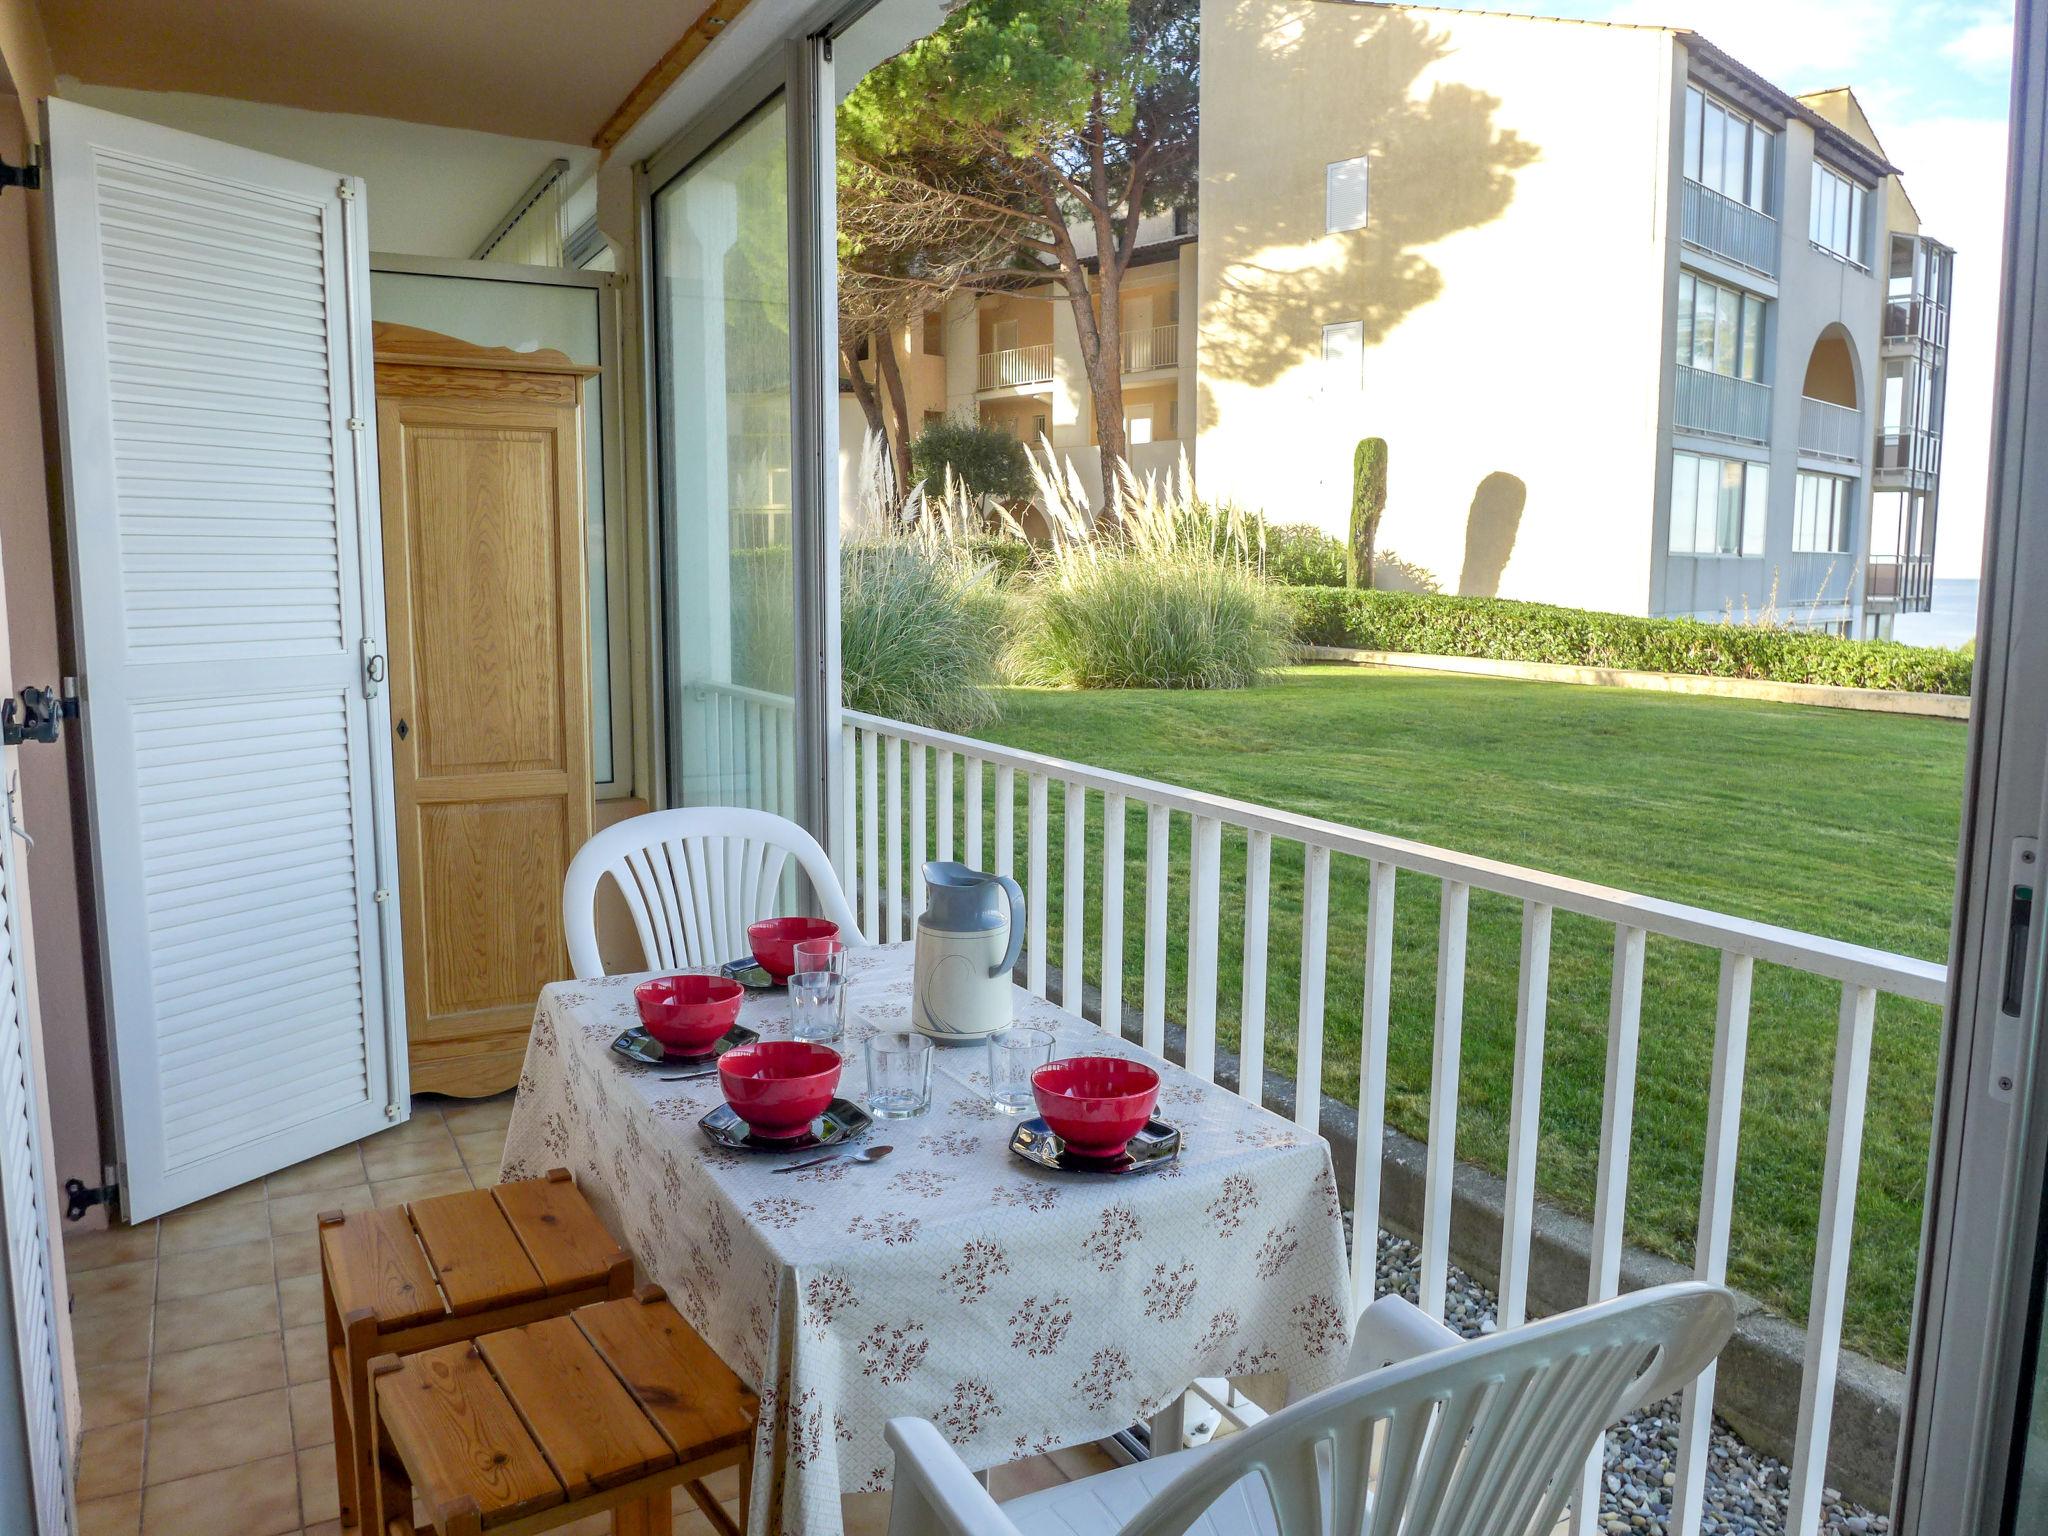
(432, 191)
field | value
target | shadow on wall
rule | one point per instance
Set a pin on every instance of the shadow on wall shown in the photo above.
(1490, 529)
(1439, 165)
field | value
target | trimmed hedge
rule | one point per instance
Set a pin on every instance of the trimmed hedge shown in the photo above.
(1500, 630)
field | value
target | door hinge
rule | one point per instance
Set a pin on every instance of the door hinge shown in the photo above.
(78, 1199)
(357, 424)
(346, 191)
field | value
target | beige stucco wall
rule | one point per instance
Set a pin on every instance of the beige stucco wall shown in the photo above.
(1513, 260)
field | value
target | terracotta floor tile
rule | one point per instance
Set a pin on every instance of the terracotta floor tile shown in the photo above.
(114, 1245)
(305, 1354)
(301, 1213)
(317, 1498)
(1021, 1477)
(425, 1125)
(1083, 1461)
(865, 1514)
(192, 1321)
(216, 1373)
(325, 1528)
(115, 1393)
(217, 1435)
(120, 1334)
(466, 1116)
(296, 1253)
(312, 1415)
(385, 1160)
(113, 1285)
(263, 1497)
(110, 1460)
(219, 1227)
(241, 1194)
(206, 1270)
(330, 1170)
(422, 1186)
(299, 1301)
(118, 1516)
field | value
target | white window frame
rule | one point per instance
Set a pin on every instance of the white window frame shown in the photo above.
(1338, 331)
(1340, 177)
(1759, 150)
(1838, 218)
(1823, 513)
(1691, 473)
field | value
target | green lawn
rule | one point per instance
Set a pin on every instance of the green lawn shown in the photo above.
(1837, 823)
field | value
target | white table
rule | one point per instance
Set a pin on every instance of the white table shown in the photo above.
(1020, 1310)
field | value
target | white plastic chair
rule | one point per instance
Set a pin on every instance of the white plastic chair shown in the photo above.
(1435, 1436)
(693, 880)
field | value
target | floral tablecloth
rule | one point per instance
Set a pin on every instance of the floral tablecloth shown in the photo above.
(1018, 1309)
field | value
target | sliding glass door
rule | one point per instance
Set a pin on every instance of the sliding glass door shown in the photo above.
(722, 311)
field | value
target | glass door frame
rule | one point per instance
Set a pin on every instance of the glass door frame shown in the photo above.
(800, 72)
(1984, 1237)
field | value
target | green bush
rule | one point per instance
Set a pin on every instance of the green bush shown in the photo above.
(986, 460)
(1121, 621)
(1006, 558)
(1497, 629)
(1302, 555)
(921, 634)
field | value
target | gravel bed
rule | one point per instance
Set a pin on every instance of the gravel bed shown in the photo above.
(1745, 1491)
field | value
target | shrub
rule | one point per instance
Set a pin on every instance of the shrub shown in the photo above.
(920, 633)
(1368, 501)
(1502, 630)
(986, 460)
(1302, 555)
(1006, 558)
(1166, 596)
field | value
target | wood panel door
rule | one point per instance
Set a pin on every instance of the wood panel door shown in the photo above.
(480, 455)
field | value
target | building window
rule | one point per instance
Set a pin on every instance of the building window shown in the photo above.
(1835, 221)
(1727, 151)
(1344, 355)
(1820, 514)
(1720, 330)
(1344, 201)
(1717, 505)
(934, 334)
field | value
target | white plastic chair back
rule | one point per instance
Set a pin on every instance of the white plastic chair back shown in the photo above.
(1484, 1438)
(693, 880)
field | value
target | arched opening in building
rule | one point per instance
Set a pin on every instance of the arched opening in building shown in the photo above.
(1831, 371)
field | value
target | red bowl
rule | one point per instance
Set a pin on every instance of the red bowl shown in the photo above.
(689, 1013)
(775, 940)
(779, 1086)
(1095, 1104)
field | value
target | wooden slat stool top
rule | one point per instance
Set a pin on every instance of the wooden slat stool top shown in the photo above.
(430, 1273)
(526, 1429)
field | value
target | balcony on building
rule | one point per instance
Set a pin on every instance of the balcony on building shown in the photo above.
(1152, 346)
(1830, 415)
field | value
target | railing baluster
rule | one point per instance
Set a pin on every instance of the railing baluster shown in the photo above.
(849, 799)
(944, 851)
(1006, 820)
(1113, 913)
(892, 834)
(1205, 885)
(1525, 1113)
(1074, 894)
(1158, 857)
(973, 816)
(1610, 1198)
(1372, 1083)
(1831, 1258)
(1034, 893)
(1251, 1005)
(1717, 1203)
(1315, 957)
(920, 814)
(1454, 910)
(870, 865)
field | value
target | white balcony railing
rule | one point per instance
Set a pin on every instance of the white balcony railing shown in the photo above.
(1016, 365)
(1155, 347)
(1728, 229)
(1830, 431)
(912, 794)
(1723, 406)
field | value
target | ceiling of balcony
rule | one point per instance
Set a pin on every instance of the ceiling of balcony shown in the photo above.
(537, 69)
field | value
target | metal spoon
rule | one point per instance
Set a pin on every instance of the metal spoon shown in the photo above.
(864, 1155)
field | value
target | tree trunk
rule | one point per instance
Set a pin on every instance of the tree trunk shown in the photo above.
(863, 388)
(884, 349)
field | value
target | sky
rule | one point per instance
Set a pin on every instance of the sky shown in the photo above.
(1933, 76)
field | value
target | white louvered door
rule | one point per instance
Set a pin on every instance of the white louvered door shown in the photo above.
(215, 353)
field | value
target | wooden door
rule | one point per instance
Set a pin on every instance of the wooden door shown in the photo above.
(480, 452)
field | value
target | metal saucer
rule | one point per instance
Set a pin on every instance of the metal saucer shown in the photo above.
(842, 1121)
(642, 1049)
(1154, 1147)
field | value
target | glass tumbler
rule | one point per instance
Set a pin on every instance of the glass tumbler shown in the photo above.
(817, 1007)
(1013, 1055)
(899, 1075)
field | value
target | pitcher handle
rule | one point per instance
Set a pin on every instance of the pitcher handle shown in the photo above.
(1016, 894)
